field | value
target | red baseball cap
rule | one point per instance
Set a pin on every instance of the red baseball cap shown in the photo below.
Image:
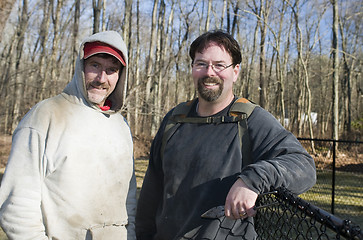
(92, 48)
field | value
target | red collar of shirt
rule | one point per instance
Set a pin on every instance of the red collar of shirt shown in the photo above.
(106, 106)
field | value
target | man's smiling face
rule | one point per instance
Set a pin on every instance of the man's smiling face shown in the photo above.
(101, 76)
(212, 84)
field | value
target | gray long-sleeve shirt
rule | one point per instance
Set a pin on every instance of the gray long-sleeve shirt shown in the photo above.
(202, 161)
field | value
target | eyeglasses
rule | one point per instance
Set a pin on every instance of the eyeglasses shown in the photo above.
(218, 67)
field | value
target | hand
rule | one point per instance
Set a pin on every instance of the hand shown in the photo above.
(240, 201)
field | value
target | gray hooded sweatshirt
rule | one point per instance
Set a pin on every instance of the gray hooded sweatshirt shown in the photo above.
(70, 173)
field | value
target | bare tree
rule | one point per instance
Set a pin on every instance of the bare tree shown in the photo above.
(285, 56)
(43, 37)
(235, 18)
(335, 55)
(223, 13)
(158, 83)
(57, 31)
(97, 7)
(207, 20)
(350, 22)
(126, 30)
(261, 10)
(103, 24)
(19, 80)
(280, 64)
(149, 63)
(5, 9)
(77, 15)
(137, 72)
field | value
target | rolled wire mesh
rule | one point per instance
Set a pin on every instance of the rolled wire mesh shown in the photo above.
(286, 217)
(295, 218)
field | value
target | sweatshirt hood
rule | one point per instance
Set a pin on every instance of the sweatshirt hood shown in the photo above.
(76, 92)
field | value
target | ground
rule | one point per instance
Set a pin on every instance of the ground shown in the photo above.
(5, 145)
(142, 147)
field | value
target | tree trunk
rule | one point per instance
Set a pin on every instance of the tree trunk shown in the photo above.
(138, 125)
(103, 25)
(280, 69)
(160, 63)
(43, 35)
(19, 79)
(97, 6)
(335, 52)
(149, 68)
(207, 20)
(5, 9)
(54, 69)
(235, 18)
(300, 94)
(263, 28)
(346, 81)
(6, 93)
(223, 13)
(127, 38)
(77, 15)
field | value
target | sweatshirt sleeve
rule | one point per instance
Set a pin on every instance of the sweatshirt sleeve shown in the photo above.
(20, 193)
(279, 158)
(131, 208)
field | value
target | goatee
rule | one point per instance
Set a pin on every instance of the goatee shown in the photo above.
(207, 94)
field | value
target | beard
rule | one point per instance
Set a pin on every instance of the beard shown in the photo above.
(210, 95)
(95, 96)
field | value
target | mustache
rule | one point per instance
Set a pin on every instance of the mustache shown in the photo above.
(99, 84)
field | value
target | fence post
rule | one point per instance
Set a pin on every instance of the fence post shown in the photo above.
(333, 180)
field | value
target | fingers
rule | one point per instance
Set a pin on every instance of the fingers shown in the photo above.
(240, 201)
(239, 213)
(243, 214)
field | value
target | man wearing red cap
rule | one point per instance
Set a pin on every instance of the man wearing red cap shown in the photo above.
(70, 173)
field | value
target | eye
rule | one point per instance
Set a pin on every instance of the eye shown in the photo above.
(219, 66)
(110, 71)
(200, 65)
(94, 65)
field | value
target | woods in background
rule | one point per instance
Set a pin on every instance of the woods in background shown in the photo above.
(302, 60)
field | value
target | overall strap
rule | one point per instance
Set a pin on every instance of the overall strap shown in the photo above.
(243, 108)
(180, 111)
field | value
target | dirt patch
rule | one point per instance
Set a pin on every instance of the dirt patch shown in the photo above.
(142, 146)
(5, 146)
(347, 162)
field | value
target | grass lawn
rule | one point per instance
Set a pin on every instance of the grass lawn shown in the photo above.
(2, 235)
(348, 195)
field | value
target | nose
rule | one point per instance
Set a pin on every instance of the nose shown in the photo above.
(210, 70)
(102, 76)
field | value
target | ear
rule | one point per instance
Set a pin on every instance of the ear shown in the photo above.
(236, 71)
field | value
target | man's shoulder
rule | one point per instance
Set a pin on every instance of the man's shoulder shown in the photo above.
(41, 111)
(47, 105)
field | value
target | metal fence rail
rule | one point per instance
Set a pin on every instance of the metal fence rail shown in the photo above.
(339, 176)
(295, 218)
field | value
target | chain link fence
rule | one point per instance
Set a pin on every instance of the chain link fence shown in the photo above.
(286, 217)
(295, 218)
(339, 188)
